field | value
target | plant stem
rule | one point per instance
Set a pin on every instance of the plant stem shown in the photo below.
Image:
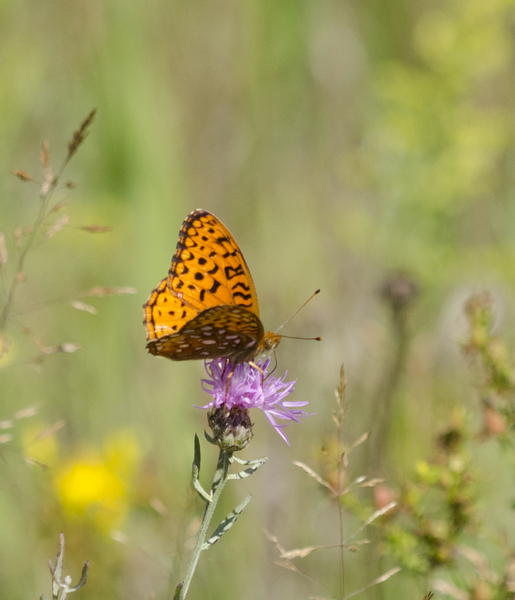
(45, 200)
(21, 260)
(219, 481)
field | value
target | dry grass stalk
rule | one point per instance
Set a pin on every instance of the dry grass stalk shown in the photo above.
(338, 455)
(59, 206)
(95, 228)
(57, 226)
(26, 413)
(85, 307)
(3, 250)
(101, 292)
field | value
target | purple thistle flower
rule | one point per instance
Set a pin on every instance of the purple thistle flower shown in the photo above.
(247, 388)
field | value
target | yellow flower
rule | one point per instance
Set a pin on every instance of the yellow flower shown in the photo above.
(94, 485)
(422, 468)
(89, 488)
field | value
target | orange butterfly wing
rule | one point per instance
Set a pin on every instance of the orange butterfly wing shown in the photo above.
(208, 268)
(207, 307)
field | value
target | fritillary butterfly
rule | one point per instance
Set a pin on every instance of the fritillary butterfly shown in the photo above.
(207, 307)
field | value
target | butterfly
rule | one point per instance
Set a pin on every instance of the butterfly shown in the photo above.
(207, 307)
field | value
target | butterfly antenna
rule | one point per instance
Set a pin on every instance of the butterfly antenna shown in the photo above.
(297, 311)
(291, 337)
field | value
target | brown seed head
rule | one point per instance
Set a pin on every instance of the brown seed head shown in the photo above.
(80, 135)
(22, 175)
(399, 290)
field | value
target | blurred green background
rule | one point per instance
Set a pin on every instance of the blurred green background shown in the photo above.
(340, 142)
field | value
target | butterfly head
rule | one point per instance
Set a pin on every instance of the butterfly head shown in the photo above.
(270, 341)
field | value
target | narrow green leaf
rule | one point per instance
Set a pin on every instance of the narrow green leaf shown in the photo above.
(254, 466)
(248, 463)
(178, 590)
(201, 491)
(195, 469)
(83, 577)
(209, 438)
(196, 456)
(226, 524)
(57, 571)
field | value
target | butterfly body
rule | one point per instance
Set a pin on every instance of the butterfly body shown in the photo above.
(207, 307)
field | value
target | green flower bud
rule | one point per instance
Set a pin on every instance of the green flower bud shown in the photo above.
(232, 429)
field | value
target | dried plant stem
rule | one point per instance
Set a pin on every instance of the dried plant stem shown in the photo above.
(342, 561)
(339, 417)
(219, 481)
(96, 292)
(47, 191)
(23, 254)
(385, 395)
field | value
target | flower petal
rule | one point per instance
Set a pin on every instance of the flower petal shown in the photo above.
(243, 386)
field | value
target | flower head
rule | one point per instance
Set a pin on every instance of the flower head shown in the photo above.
(242, 386)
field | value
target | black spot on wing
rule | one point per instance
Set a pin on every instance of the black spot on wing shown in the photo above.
(230, 272)
(245, 297)
(243, 286)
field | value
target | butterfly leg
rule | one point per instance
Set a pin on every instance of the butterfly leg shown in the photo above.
(253, 364)
(229, 376)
